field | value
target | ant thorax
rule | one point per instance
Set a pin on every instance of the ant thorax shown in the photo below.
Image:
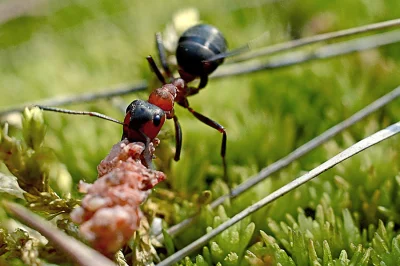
(168, 94)
(164, 98)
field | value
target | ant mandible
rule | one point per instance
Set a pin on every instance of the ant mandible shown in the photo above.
(201, 49)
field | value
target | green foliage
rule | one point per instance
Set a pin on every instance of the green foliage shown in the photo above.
(32, 166)
(347, 216)
(19, 245)
(325, 240)
(32, 163)
(228, 247)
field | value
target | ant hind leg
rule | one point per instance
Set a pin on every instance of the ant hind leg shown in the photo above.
(218, 127)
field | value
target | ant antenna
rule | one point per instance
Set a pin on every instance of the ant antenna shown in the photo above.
(245, 48)
(66, 111)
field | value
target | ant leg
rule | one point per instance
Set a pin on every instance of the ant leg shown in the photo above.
(148, 156)
(178, 139)
(216, 126)
(203, 83)
(155, 69)
(162, 55)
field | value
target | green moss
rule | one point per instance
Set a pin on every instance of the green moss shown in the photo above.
(347, 216)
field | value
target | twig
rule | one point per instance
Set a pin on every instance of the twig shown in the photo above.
(349, 152)
(77, 251)
(317, 38)
(86, 97)
(323, 52)
(296, 154)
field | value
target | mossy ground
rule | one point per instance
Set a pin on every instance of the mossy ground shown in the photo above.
(87, 46)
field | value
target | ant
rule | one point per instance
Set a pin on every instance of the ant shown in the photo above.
(201, 49)
(196, 47)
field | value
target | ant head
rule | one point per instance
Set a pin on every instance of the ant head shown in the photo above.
(143, 120)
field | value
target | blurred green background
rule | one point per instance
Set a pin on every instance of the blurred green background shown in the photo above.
(63, 48)
(68, 47)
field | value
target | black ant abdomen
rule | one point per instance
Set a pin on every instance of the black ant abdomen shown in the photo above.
(196, 45)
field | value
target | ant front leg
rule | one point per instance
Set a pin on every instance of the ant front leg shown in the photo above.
(147, 154)
(162, 55)
(216, 126)
(178, 139)
(155, 69)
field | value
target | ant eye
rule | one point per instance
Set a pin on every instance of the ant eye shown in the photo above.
(157, 120)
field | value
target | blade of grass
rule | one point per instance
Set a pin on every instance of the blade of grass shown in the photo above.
(344, 155)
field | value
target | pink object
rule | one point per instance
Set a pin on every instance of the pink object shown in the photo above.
(110, 212)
